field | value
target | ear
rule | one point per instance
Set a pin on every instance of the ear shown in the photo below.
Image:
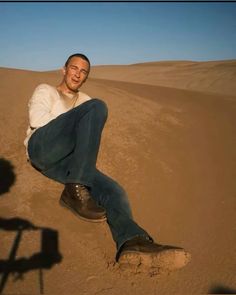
(63, 70)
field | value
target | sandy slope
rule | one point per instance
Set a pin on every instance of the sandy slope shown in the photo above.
(174, 152)
(212, 76)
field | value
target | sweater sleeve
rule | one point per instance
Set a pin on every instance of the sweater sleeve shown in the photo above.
(40, 106)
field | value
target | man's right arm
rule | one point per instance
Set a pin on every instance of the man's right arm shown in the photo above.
(40, 106)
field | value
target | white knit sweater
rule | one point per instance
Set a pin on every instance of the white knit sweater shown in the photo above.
(45, 105)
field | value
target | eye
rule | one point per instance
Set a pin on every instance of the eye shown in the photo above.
(84, 72)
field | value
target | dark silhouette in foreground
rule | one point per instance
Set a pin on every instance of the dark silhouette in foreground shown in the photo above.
(220, 289)
(48, 256)
(49, 252)
(7, 176)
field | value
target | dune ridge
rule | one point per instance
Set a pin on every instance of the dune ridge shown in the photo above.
(213, 76)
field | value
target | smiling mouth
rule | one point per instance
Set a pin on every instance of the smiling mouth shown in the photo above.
(75, 81)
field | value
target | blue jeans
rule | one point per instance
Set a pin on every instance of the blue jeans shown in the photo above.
(66, 150)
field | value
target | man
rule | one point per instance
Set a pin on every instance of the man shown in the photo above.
(62, 143)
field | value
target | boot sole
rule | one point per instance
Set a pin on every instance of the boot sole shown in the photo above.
(164, 261)
(65, 205)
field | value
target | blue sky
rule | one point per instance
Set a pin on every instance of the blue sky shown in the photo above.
(40, 36)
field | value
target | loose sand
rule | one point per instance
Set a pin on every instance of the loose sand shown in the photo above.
(170, 141)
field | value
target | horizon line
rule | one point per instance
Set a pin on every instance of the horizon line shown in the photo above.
(117, 65)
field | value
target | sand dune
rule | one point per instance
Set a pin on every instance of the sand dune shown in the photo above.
(173, 150)
(214, 76)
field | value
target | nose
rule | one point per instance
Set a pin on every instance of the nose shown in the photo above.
(77, 74)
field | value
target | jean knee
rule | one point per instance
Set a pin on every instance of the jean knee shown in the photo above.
(100, 106)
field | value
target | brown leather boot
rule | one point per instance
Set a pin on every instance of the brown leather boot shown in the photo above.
(141, 254)
(76, 197)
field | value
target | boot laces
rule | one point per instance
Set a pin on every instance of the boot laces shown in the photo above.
(81, 192)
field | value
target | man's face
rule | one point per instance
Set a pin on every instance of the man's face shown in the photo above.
(75, 74)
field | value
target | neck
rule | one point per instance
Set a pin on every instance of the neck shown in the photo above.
(64, 89)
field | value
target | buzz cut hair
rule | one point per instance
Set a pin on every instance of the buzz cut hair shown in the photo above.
(81, 55)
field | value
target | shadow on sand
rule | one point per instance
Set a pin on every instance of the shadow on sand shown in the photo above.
(7, 176)
(49, 251)
(219, 289)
